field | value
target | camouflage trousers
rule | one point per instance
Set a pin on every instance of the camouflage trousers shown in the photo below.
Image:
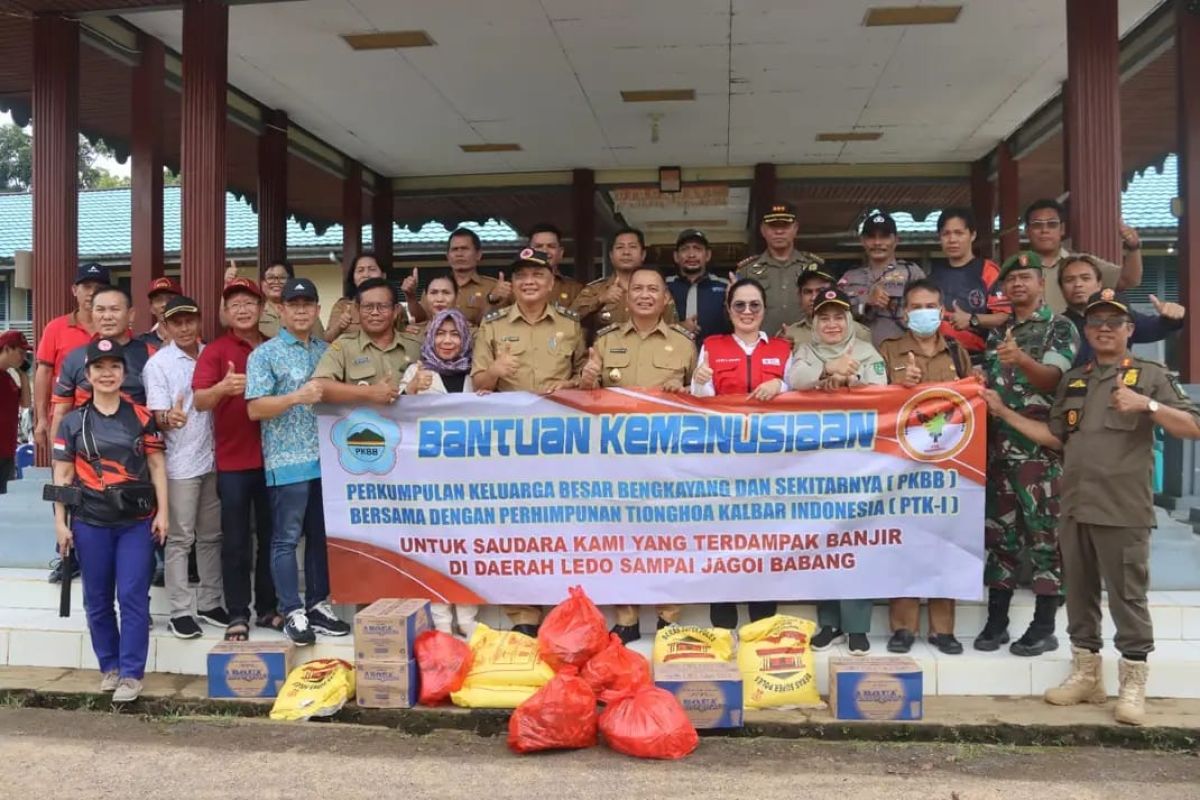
(1022, 509)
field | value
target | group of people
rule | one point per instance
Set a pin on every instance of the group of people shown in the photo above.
(202, 433)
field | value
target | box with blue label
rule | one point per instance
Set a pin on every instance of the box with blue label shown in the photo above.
(249, 669)
(711, 694)
(386, 684)
(876, 688)
(387, 629)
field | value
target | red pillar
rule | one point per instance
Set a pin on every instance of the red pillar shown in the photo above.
(382, 217)
(583, 211)
(762, 194)
(55, 167)
(983, 203)
(352, 216)
(1187, 51)
(146, 175)
(272, 189)
(202, 162)
(1092, 122)
(1010, 201)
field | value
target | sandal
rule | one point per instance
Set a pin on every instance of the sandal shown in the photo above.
(273, 620)
(237, 632)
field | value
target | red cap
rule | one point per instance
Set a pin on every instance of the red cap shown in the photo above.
(164, 285)
(14, 339)
(241, 285)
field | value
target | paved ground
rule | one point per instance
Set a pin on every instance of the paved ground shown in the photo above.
(51, 754)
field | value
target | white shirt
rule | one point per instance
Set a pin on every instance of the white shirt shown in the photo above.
(707, 389)
(437, 386)
(167, 376)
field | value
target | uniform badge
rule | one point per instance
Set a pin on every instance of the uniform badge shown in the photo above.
(362, 359)
(669, 348)
(1072, 418)
(1179, 390)
(606, 315)
(1078, 383)
(552, 344)
(471, 300)
(563, 297)
(879, 367)
(1131, 377)
(614, 375)
(618, 349)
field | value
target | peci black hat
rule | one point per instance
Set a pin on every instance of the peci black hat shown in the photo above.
(103, 348)
(179, 304)
(879, 222)
(815, 272)
(298, 289)
(529, 257)
(831, 297)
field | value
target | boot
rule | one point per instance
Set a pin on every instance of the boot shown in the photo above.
(1131, 697)
(1085, 684)
(995, 631)
(1039, 637)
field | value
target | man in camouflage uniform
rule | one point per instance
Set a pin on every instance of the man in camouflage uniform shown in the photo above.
(779, 266)
(1025, 360)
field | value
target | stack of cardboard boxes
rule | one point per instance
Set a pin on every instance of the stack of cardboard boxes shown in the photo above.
(385, 667)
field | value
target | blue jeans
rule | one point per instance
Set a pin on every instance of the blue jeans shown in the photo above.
(245, 549)
(117, 561)
(297, 511)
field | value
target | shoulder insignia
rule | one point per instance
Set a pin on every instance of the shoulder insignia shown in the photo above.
(337, 345)
(680, 329)
(1078, 383)
(813, 257)
(597, 282)
(566, 312)
(1130, 377)
(747, 261)
(607, 329)
(1180, 392)
(492, 316)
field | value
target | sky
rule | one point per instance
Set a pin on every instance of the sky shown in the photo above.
(110, 164)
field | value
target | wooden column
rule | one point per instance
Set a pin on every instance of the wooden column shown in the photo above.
(352, 216)
(583, 210)
(762, 194)
(1187, 53)
(202, 162)
(382, 218)
(146, 175)
(983, 203)
(55, 165)
(1092, 121)
(1010, 203)
(272, 189)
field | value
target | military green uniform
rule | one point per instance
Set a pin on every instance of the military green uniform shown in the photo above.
(1022, 496)
(357, 360)
(779, 281)
(1107, 505)
(270, 322)
(595, 314)
(801, 333)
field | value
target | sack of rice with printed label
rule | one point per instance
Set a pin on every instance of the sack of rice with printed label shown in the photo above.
(506, 670)
(776, 663)
(315, 689)
(689, 644)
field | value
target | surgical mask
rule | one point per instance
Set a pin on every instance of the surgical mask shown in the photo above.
(924, 321)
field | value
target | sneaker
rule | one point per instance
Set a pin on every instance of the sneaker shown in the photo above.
(56, 570)
(860, 645)
(296, 628)
(628, 633)
(160, 577)
(826, 638)
(946, 643)
(901, 641)
(184, 627)
(109, 681)
(322, 620)
(217, 617)
(528, 630)
(128, 690)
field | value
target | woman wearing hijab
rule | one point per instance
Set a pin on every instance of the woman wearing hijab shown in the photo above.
(445, 368)
(837, 359)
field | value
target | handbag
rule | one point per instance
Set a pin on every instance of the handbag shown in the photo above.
(135, 499)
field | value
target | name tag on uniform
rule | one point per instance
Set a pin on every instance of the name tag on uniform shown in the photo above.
(511, 338)
(772, 362)
(618, 349)
(362, 359)
(1077, 388)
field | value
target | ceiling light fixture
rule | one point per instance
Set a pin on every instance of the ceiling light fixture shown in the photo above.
(508, 147)
(657, 95)
(882, 16)
(388, 40)
(849, 136)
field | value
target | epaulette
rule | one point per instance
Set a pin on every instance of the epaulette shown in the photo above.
(492, 316)
(607, 329)
(747, 261)
(597, 282)
(813, 257)
(680, 329)
(336, 344)
(566, 312)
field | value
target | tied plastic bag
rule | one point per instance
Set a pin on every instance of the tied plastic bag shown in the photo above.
(686, 644)
(647, 722)
(776, 662)
(573, 631)
(505, 670)
(616, 668)
(560, 716)
(444, 663)
(317, 688)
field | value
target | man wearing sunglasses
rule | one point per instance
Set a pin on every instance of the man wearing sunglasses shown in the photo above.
(1103, 420)
(1046, 229)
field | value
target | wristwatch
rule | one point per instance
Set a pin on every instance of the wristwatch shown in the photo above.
(973, 321)
(1152, 406)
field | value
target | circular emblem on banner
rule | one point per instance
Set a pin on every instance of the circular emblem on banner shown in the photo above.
(935, 425)
(366, 442)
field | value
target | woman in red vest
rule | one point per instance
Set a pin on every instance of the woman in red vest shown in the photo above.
(746, 361)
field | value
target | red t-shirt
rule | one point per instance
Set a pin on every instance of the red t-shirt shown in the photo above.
(238, 438)
(10, 410)
(61, 336)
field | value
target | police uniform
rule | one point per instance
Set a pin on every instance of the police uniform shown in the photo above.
(858, 283)
(595, 314)
(358, 360)
(778, 278)
(271, 321)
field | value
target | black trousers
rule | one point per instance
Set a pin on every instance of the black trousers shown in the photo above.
(243, 496)
(725, 615)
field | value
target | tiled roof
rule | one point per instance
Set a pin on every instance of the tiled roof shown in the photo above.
(104, 226)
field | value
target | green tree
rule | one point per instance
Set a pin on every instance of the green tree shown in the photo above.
(16, 162)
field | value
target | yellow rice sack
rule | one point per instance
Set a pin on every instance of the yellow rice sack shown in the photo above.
(318, 688)
(776, 663)
(684, 644)
(505, 672)
(492, 696)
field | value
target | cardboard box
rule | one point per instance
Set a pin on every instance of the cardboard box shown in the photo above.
(386, 684)
(386, 630)
(875, 688)
(711, 694)
(249, 669)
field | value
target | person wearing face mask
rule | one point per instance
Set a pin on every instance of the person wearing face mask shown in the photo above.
(923, 355)
(698, 294)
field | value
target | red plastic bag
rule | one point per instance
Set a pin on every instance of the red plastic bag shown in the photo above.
(572, 632)
(647, 722)
(560, 716)
(616, 667)
(444, 663)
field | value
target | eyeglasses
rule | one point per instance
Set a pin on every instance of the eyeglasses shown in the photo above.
(1044, 225)
(746, 305)
(268, 278)
(375, 308)
(1105, 323)
(235, 307)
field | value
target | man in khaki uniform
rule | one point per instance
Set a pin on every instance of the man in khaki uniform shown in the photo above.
(1103, 419)
(366, 367)
(477, 294)
(779, 266)
(922, 355)
(531, 346)
(602, 302)
(644, 352)
(808, 286)
(547, 238)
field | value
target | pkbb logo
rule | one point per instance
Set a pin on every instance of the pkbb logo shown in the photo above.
(366, 442)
